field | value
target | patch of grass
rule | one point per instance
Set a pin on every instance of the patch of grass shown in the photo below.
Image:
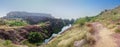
(111, 26)
(83, 20)
(25, 42)
(7, 42)
(17, 23)
(66, 39)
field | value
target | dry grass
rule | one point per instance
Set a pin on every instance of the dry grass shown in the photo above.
(68, 38)
(111, 26)
(4, 43)
(77, 33)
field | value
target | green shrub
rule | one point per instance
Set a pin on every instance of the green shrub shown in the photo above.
(17, 23)
(7, 42)
(42, 23)
(45, 31)
(82, 21)
(35, 37)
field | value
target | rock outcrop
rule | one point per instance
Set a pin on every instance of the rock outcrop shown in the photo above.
(32, 18)
(18, 35)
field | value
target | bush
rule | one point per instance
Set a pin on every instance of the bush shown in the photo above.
(82, 21)
(17, 23)
(2, 22)
(35, 37)
(117, 30)
(7, 42)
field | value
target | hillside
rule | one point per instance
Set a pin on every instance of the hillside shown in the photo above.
(97, 31)
(23, 29)
(32, 18)
(37, 18)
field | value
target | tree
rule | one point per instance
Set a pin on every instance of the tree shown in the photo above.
(35, 37)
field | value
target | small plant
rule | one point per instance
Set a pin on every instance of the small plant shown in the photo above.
(118, 23)
(25, 42)
(117, 30)
(35, 37)
(2, 22)
(45, 31)
(114, 13)
(7, 42)
(42, 23)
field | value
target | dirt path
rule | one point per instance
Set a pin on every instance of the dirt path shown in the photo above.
(105, 40)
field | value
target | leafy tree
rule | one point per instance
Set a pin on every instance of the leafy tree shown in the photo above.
(35, 37)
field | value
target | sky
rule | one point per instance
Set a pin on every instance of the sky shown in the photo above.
(66, 9)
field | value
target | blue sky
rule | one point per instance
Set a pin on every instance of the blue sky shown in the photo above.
(59, 8)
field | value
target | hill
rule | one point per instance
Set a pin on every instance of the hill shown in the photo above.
(101, 30)
(32, 18)
(37, 18)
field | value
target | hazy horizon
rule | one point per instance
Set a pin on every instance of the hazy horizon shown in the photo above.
(58, 8)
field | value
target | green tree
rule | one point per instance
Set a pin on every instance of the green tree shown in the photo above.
(35, 37)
